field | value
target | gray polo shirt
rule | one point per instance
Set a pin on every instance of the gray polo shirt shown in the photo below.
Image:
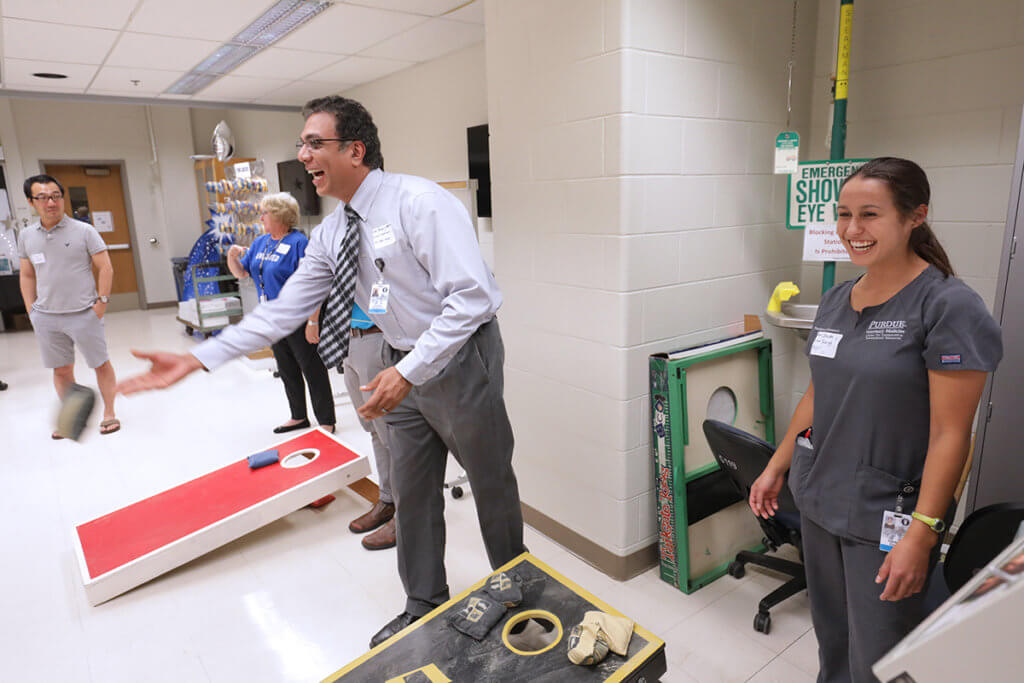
(871, 399)
(62, 258)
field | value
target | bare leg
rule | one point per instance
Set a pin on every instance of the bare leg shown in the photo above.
(63, 377)
(107, 381)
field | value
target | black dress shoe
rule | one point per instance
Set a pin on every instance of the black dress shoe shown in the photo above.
(394, 626)
(291, 428)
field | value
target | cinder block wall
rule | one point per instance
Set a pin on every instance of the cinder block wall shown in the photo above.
(635, 212)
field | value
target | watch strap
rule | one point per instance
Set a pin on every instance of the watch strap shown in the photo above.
(935, 524)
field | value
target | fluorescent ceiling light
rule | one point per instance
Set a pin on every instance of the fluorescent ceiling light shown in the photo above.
(271, 26)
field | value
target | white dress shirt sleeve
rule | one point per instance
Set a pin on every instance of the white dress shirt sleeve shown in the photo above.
(305, 290)
(444, 242)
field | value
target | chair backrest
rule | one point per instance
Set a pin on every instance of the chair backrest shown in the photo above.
(984, 534)
(743, 457)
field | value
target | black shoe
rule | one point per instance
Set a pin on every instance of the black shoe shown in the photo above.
(291, 428)
(394, 626)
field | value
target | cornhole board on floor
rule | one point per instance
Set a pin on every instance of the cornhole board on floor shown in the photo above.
(129, 546)
(431, 650)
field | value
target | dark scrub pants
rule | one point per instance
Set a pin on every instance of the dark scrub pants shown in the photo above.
(461, 410)
(870, 439)
(297, 358)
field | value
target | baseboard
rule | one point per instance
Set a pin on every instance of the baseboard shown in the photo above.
(618, 567)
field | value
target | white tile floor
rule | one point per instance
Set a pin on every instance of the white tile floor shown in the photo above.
(293, 601)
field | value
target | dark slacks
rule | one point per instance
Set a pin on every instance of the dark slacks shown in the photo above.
(461, 410)
(297, 358)
(854, 628)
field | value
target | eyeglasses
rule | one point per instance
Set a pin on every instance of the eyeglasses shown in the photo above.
(43, 198)
(317, 143)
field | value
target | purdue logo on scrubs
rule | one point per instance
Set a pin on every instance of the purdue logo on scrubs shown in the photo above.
(892, 330)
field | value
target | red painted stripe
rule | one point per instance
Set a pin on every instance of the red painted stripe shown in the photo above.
(115, 539)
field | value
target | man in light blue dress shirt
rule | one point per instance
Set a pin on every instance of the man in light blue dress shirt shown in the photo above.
(423, 282)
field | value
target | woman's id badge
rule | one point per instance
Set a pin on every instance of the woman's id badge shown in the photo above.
(894, 527)
(379, 298)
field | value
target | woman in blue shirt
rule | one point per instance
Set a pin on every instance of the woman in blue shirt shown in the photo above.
(270, 261)
(898, 360)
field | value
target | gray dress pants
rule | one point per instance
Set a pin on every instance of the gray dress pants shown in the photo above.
(461, 410)
(854, 628)
(364, 361)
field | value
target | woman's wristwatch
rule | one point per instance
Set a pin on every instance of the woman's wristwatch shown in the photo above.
(933, 523)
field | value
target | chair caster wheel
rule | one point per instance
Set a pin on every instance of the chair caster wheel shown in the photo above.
(737, 569)
(456, 492)
(762, 622)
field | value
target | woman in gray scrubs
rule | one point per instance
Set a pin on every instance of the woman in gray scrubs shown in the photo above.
(898, 361)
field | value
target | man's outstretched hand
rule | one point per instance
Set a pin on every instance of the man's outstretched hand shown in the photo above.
(166, 369)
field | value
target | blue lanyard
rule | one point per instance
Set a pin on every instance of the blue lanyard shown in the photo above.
(266, 253)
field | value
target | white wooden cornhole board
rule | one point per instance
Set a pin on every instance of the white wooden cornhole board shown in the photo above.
(129, 546)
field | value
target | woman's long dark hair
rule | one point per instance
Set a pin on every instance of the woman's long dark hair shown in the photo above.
(909, 186)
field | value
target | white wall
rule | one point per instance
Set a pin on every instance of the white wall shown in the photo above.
(635, 212)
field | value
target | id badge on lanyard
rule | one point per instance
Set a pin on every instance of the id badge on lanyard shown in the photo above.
(379, 292)
(895, 523)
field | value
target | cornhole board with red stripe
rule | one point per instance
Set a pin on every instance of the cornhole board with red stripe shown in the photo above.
(129, 546)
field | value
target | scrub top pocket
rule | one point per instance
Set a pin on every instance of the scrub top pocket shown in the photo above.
(876, 491)
(799, 468)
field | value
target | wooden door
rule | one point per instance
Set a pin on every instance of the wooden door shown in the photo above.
(95, 194)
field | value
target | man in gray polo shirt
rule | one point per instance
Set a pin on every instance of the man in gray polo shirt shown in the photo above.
(57, 256)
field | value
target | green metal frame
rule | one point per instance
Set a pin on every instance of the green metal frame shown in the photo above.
(199, 279)
(668, 380)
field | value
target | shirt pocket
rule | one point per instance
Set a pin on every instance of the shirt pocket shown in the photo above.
(874, 492)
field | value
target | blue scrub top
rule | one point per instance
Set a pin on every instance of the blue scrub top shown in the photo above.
(270, 262)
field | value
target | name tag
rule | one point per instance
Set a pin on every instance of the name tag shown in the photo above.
(379, 298)
(37, 259)
(283, 248)
(825, 344)
(383, 235)
(894, 528)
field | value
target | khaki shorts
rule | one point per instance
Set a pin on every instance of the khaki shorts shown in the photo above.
(59, 333)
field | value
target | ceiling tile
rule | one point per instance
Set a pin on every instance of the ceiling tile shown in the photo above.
(219, 20)
(56, 42)
(276, 62)
(118, 79)
(18, 74)
(427, 41)
(240, 89)
(159, 52)
(472, 13)
(106, 14)
(358, 70)
(300, 92)
(431, 8)
(347, 29)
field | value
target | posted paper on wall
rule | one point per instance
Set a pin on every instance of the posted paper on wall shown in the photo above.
(821, 243)
(103, 221)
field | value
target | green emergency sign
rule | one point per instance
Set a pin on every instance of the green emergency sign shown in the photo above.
(814, 191)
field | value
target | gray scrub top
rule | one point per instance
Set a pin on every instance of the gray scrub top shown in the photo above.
(871, 401)
(62, 258)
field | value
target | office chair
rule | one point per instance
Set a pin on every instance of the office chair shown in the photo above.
(984, 534)
(743, 457)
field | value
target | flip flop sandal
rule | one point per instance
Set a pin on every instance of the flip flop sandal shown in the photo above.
(114, 422)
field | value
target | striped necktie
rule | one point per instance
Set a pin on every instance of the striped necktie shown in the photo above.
(337, 320)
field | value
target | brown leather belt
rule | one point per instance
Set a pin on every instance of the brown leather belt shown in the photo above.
(357, 332)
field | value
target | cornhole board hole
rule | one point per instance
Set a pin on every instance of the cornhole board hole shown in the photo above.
(431, 650)
(129, 546)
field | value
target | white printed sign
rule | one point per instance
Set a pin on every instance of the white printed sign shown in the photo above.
(243, 170)
(814, 191)
(103, 221)
(821, 243)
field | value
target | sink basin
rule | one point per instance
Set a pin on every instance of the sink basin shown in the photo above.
(794, 316)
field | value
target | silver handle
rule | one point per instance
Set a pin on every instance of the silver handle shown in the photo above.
(119, 247)
(154, 241)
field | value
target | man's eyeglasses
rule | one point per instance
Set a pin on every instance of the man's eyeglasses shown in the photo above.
(43, 198)
(317, 143)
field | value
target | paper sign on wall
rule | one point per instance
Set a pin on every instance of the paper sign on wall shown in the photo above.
(787, 152)
(243, 170)
(103, 221)
(821, 243)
